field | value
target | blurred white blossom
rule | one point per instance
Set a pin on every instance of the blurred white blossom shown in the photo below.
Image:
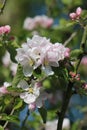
(7, 62)
(37, 21)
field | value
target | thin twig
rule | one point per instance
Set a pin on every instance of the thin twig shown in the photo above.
(70, 38)
(4, 3)
(6, 123)
(64, 106)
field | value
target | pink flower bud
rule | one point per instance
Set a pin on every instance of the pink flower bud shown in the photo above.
(32, 106)
(78, 11)
(72, 74)
(73, 16)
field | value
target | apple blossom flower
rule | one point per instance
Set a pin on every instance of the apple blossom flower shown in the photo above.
(5, 29)
(76, 15)
(38, 21)
(39, 101)
(39, 51)
(31, 92)
(32, 95)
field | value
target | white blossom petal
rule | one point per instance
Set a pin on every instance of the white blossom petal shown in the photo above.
(23, 84)
(27, 70)
(47, 70)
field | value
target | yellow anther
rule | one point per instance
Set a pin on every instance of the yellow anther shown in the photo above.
(30, 90)
(31, 62)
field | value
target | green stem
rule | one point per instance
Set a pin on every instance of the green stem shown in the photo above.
(84, 38)
(70, 38)
(82, 47)
(68, 93)
(64, 106)
(6, 123)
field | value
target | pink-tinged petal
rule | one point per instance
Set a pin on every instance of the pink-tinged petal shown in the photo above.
(3, 90)
(78, 11)
(84, 60)
(32, 106)
(67, 52)
(7, 29)
(73, 16)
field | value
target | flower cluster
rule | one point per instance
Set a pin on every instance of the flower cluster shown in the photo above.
(5, 29)
(76, 15)
(38, 21)
(40, 52)
(32, 95)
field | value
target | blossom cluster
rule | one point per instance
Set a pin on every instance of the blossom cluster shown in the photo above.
(40, 52)
(76, 15)
(5, 29)
(37, 21)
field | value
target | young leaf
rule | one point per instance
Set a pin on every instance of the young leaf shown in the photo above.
(1, 128)
(43, 113)
(18, 103)
(9, 118)
(11, 47)
(76, 53)
(18, 77)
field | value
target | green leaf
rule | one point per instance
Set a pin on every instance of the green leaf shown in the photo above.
(1, 128)
(11, 47)
(19, 76)
(18, 103)
(9, 118)
(43, 113)
(7, 99)
(76, 53)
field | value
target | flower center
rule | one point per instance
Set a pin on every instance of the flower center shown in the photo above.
(46, 62)
(31, 62)
(30, 90)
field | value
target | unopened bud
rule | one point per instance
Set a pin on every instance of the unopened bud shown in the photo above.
(78, 11)
(73, 16)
